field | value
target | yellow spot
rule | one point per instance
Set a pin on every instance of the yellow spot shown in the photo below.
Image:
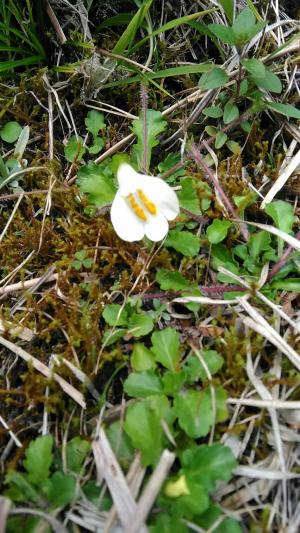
(140, 213)
(150, 206)
(177, 488)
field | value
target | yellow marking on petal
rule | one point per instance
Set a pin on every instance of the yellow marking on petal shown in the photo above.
(150, 206)
(140, 213)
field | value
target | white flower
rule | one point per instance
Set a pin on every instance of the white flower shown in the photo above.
(142, 206)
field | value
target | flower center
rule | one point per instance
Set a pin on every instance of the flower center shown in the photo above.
(139, 209)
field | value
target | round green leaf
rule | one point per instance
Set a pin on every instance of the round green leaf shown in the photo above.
(10, 132)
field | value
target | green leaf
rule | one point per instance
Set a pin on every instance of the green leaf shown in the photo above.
(211, 130)
(142, 424)
(258, 242)
(262, 77)
(285, 109)
(188, 197)
(142, 358)
(77, 450)
(94, 122)
(244, 27)
(141, 384)
(195, 369)
(74, 149)
(120, 442)
(218, 230)
(140, 325)
(244, 22)
(191, 497)
(38, 459)
(217, 77)
(96, 146)
(234, 147)
(10, 132)
(208, 464)
(127, 37)
(20, 489)
(172, 382)
(173, 281)
(165, 346)
(228, 6)
(213, 112)
(223, 33)
(61, 489)
(245, 125)
(193, 409)
(21, 143)
(115, 315)
(291, 284)
(221, 139)
(231, 112)
(282, 214)
(155, 124)
(166, 523)
(184, 242)
(97, 182)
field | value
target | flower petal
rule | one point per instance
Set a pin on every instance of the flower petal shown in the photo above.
(157, 227)
(162, 195)
(128, 179)
(126, 224)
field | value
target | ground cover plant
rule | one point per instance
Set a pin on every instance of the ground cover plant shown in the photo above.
(150, 252)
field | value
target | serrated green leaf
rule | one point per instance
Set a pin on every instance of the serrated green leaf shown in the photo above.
(61, 489)
(172, 382)
(208, 464)
(10, 132)
(188, 197)
(218, 230)
(115, 315)
(193, 409)
(142, 358)
(74, 149)
(217, 77)
(97, 182)
(77, 450)
(173, 281)
(140, 325)
(165, 346)
(231, 113)
(38, 459)
(155, 124)
(94, 122)
(184, 242)
(195, 369)
(96, 146)
(142, 384)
